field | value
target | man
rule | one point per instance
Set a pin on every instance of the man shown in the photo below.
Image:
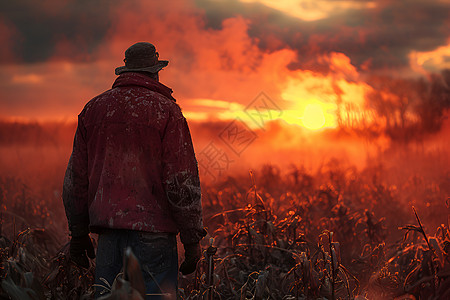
(133, 178)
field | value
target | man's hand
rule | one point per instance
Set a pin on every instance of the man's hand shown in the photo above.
(79, 246)
(192, 254)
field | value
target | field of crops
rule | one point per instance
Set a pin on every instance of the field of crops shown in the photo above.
(337, 233)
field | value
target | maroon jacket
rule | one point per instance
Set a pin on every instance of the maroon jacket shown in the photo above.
(133, 164)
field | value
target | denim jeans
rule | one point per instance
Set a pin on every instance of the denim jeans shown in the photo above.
(156, 253)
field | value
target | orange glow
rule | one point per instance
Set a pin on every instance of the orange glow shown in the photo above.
(313, 117)
(313, 98)
(312, 114)
(433, 61)
(216, 72)
(27, 79)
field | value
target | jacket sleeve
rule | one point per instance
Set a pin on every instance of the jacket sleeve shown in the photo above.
(181, 181)
(75, 187)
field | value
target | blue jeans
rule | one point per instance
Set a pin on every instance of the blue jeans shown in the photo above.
(156, 253)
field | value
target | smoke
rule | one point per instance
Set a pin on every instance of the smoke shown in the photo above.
(379, 36)
(403, 110)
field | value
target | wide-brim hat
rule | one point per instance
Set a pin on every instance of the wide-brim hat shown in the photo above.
(142, 57)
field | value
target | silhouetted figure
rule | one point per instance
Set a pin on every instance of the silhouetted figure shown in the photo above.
(133, 178)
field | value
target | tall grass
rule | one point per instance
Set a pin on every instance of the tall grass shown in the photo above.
(338, 233)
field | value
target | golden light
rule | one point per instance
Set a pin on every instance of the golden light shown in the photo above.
(313, 117)
(433, 60)
(312, 114)
(312, 98)
(313, 10)
(312, 101)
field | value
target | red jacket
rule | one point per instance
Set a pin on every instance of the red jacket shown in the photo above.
(133, 164)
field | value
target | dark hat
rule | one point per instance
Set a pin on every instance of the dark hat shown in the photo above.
(142, 57)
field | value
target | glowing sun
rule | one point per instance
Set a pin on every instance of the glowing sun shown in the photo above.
(313, 117)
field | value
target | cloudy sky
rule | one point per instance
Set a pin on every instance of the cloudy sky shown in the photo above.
(57, 54)
(286, 73)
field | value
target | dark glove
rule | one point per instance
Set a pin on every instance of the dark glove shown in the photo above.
(79, 246)
(192, 254)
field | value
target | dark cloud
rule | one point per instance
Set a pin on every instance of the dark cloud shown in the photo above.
(380, 37)
(41, 26)
(377, 38)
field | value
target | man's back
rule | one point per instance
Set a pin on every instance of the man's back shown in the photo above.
(125, 127)
(133, 177)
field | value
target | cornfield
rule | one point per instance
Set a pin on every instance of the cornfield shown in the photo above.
(339, 233)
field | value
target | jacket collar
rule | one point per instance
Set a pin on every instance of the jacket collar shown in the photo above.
(137, 79)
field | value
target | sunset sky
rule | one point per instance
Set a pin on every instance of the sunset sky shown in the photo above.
(295, 61)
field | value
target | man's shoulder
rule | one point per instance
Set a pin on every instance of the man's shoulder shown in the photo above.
(159, 100)
(173, 106)
(97, 98)
(140, 94)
